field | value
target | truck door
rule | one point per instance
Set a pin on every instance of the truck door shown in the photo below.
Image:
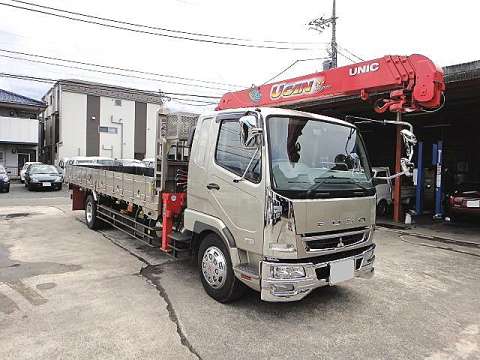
(240, 205)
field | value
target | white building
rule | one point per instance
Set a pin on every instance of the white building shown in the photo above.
(19, 131)
(92, 119)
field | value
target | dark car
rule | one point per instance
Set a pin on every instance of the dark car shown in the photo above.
(465, 200)
(41, 176)
(4, 180)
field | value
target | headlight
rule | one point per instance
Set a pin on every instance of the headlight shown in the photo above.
(288, 272)
(58, 179)
(33, 179)
(4, 177)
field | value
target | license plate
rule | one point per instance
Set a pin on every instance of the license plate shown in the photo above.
(341, 270)
(473, 203)
(46, 184)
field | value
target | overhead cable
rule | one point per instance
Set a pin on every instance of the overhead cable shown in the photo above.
(119, 27)
(162, 28)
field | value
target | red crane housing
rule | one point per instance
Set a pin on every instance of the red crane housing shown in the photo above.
(412, 82)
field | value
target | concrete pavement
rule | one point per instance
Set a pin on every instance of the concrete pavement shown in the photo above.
(67, 292)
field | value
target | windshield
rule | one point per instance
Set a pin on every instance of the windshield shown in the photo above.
(313, 156)
(43, 169)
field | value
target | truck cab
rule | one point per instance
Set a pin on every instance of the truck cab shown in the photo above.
(279, 200)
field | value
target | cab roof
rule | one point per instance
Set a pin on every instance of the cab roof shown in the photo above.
(266, 111)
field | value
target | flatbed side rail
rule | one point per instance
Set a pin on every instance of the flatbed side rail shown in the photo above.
(137, 189)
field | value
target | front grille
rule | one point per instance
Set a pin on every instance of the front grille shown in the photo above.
(336, 240)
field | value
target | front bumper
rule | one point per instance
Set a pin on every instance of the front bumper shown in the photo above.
(39, 185)
(316, 275)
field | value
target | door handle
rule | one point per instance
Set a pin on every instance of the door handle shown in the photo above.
(213, 186)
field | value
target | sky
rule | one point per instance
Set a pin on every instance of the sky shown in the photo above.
(443, 31)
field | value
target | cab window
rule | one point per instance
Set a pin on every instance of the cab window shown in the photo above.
(233, 156)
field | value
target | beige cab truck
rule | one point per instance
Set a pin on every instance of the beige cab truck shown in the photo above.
(277, 200)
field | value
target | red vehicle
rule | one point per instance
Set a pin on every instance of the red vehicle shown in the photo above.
(465, 200)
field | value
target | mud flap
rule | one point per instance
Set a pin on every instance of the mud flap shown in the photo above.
(78, 198)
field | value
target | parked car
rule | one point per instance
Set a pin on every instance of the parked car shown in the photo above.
(465, 200)
(384, 189)
(24, 168)
(4, 180)
(130, 162)
(41, 176)
(86, 160)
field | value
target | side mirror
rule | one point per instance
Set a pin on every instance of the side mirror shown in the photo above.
(249, 132)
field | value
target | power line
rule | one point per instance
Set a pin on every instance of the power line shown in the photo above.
(291, 65)
(118, 27)
(102, 71)
(346, 56)
(127, 90)
(161, 28)
(349, 52)
(118, 68)
(185, 101)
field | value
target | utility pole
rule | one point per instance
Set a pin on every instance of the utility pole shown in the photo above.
(334, 35)
(319, 24)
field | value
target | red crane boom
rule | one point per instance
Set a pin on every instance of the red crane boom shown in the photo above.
(413, 83)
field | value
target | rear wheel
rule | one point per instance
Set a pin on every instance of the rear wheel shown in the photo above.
(216, 271)
(91, 213)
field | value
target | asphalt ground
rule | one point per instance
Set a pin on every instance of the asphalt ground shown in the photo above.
(67, 292)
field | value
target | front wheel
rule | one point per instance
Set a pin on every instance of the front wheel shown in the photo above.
(382, 207)
(216, 272)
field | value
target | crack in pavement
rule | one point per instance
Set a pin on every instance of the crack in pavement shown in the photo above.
(151, 273)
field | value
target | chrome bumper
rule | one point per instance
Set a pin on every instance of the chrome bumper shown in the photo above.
(285, 290)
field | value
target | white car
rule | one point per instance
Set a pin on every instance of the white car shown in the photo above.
(130, 163)
(24, 168)
(86, 160)
(384, 190)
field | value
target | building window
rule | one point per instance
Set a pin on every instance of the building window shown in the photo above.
(2, 159)
(118, 102)
(108, 130)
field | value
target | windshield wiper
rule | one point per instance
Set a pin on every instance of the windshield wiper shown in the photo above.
(346, 180)
(317, 184)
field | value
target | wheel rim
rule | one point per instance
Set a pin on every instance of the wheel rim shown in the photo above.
(89, 212)
(214, 267)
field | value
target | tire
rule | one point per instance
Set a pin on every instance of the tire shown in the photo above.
(8, 189)
(382, 207)
(224, 288)
(29, 187)
(59, 188)
(91, 213)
